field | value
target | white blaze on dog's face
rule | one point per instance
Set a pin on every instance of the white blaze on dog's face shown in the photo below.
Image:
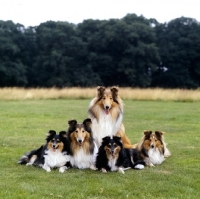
(153, 141)
(107, 101)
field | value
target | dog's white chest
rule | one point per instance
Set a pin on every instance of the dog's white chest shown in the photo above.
(81, 160)
(105, 126)
(56, 159)
(155, 156)
(112, 164)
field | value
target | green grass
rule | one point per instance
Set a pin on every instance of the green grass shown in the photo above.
(24, 124)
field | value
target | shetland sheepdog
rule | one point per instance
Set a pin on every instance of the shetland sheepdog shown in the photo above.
(53, 154)
(112, 156)
(106, 113)
(152, 148)
(83, 149)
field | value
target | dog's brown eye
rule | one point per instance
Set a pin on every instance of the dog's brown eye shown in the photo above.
(83, 131)
(111, 98)
(76, 131)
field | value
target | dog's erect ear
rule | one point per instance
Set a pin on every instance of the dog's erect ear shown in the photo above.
(63, 134)
(100, 90)
(159, 134)
(147, 133)
(51, 132)
(105, 139)
(87, 122)
(72, 123)
(114, 91)
(117, 138)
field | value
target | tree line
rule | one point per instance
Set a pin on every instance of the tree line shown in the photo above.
(130, 52)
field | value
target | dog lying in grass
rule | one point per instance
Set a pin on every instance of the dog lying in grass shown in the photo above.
(152, 148)
(53, 154)
(112, 156)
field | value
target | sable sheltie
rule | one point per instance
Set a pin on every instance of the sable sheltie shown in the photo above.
(112, 156)
(53, 154)
(106, 113)
(152, 148)
(83, 149)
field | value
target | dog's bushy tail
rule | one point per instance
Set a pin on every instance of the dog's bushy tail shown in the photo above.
(32, 157)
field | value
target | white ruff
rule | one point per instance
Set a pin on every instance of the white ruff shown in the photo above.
(112, 165)
(105, 126)
(155, 156)
(82, 160)
(55, 159)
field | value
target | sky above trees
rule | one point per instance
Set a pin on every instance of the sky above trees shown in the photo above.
(32, 13)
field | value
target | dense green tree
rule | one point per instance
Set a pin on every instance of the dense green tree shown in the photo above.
(179, 47)
(61, 56)
(12, 69)
(132, 51)
(121, 52)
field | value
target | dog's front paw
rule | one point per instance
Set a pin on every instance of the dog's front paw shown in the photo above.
(151, 164)
(103, 170)
(47, 168)
(62, 169)
(121, 170)
(93, 167)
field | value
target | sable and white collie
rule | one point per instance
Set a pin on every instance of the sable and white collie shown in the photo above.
(112, 156)
(106, 113)
(152, 148)
(54, 154)
(83, 149)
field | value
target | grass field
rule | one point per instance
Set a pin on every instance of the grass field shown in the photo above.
(24, 125)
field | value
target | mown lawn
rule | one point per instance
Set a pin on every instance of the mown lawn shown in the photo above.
(24, 124)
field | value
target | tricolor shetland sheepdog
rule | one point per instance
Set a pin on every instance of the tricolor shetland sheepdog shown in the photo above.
(83, 149)
(152, 148)
(106, 113)
(54, 154)
(112, 156)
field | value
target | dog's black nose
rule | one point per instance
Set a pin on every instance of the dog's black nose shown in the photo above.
(54, 146)
(152, 146)
(107, 107)
(80, 141)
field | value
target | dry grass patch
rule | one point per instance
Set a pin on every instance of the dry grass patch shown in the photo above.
(87, 93)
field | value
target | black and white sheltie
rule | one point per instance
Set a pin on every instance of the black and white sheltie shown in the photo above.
(113, 157)
(54, 154)
(152, 148)
(83, 149)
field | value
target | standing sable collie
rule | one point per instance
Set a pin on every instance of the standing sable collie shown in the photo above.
(113, 157)
(83, 149)
(54, 154)
(106, 113)
(152, 148)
